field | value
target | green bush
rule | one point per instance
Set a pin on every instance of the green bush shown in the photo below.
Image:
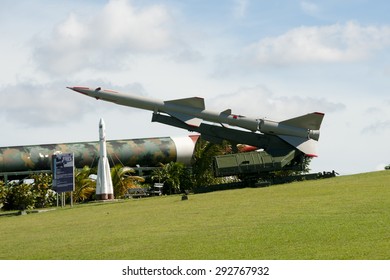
(3, 194)
(20, 197)
(44, 195)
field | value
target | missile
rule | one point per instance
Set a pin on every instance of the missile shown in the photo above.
(301, 132)
(146, 152)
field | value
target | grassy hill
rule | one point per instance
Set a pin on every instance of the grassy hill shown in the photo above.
(347, 217)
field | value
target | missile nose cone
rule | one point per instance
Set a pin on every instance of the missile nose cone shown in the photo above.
(87, 91)
(72, 88)
(102, 129)
(77, 88)
(83, 90)
(101, 123)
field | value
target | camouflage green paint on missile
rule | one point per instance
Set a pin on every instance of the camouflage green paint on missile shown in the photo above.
(146, 152)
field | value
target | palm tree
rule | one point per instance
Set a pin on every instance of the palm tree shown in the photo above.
(122, 179)
(171, 174)
(158, 174)
(202, 159)
(85, 187)
(175, 171)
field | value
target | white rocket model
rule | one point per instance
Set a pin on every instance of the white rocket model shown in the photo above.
(104, 189)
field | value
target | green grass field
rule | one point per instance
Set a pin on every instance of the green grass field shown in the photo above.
(347, 217)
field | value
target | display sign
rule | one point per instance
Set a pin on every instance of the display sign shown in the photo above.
(63, 172)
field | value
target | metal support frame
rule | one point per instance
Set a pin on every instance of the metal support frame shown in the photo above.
(272, 144)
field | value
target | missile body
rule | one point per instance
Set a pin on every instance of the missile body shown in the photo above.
(146, 152)
(104, 188)
(299, 132)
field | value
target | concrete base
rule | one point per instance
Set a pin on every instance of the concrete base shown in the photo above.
(104, 196)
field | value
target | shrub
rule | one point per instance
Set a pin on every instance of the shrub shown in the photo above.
(44, 195)
(20, 197)
(3, 194)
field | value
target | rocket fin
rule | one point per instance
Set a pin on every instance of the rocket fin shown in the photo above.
(195, 102)
(307, 146)
(310, 121)
(190, 120)
(226, 112)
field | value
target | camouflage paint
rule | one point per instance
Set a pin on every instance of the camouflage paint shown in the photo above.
(147, 152)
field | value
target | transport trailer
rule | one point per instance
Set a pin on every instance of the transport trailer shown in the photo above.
(256, 164)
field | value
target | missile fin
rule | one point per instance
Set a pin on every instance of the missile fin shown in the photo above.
(195, 102)
(226, 112)
(307, 146)
(190, 120)
(310, 121)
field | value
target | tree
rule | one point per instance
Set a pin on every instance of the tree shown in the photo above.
(171, 174)
(158, 174)
(174, 171)
(306, 164)
(85, 187)
(304, 167)
(202, 161)
(122, 179)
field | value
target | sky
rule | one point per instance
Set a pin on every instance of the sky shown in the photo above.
(274, 59)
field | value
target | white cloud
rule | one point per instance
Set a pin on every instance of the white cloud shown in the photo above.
(188, 56)
(261, 102)
(104, 40)
(120, 25)
(376, 119)
(376, 128)
(240, 8)
(42, 105)
(38, 105)
(309, 8)
(319, 44)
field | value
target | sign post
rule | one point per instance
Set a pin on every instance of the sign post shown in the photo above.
(63, 175)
